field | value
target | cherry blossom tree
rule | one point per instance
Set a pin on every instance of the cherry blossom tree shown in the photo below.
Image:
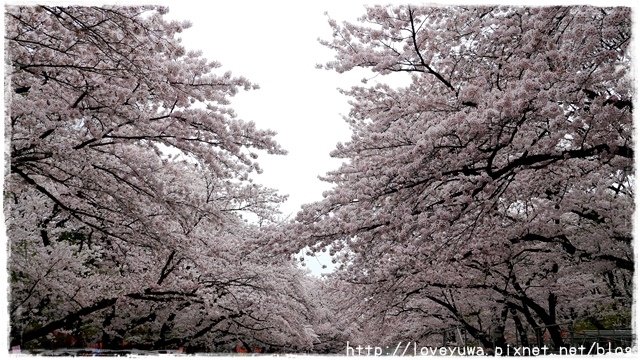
(128, 182)
(496, 182)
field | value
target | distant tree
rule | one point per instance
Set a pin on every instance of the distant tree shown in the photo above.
(496, 182)
(128, 181)
(334, 314)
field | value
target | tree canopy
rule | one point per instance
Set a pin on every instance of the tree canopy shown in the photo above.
(129, 177)
(488, 184)
(495, 185)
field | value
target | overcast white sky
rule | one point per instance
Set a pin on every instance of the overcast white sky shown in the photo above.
(274, 44)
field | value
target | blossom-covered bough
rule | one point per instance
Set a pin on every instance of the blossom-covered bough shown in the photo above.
(494, 188)
(128, 176)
